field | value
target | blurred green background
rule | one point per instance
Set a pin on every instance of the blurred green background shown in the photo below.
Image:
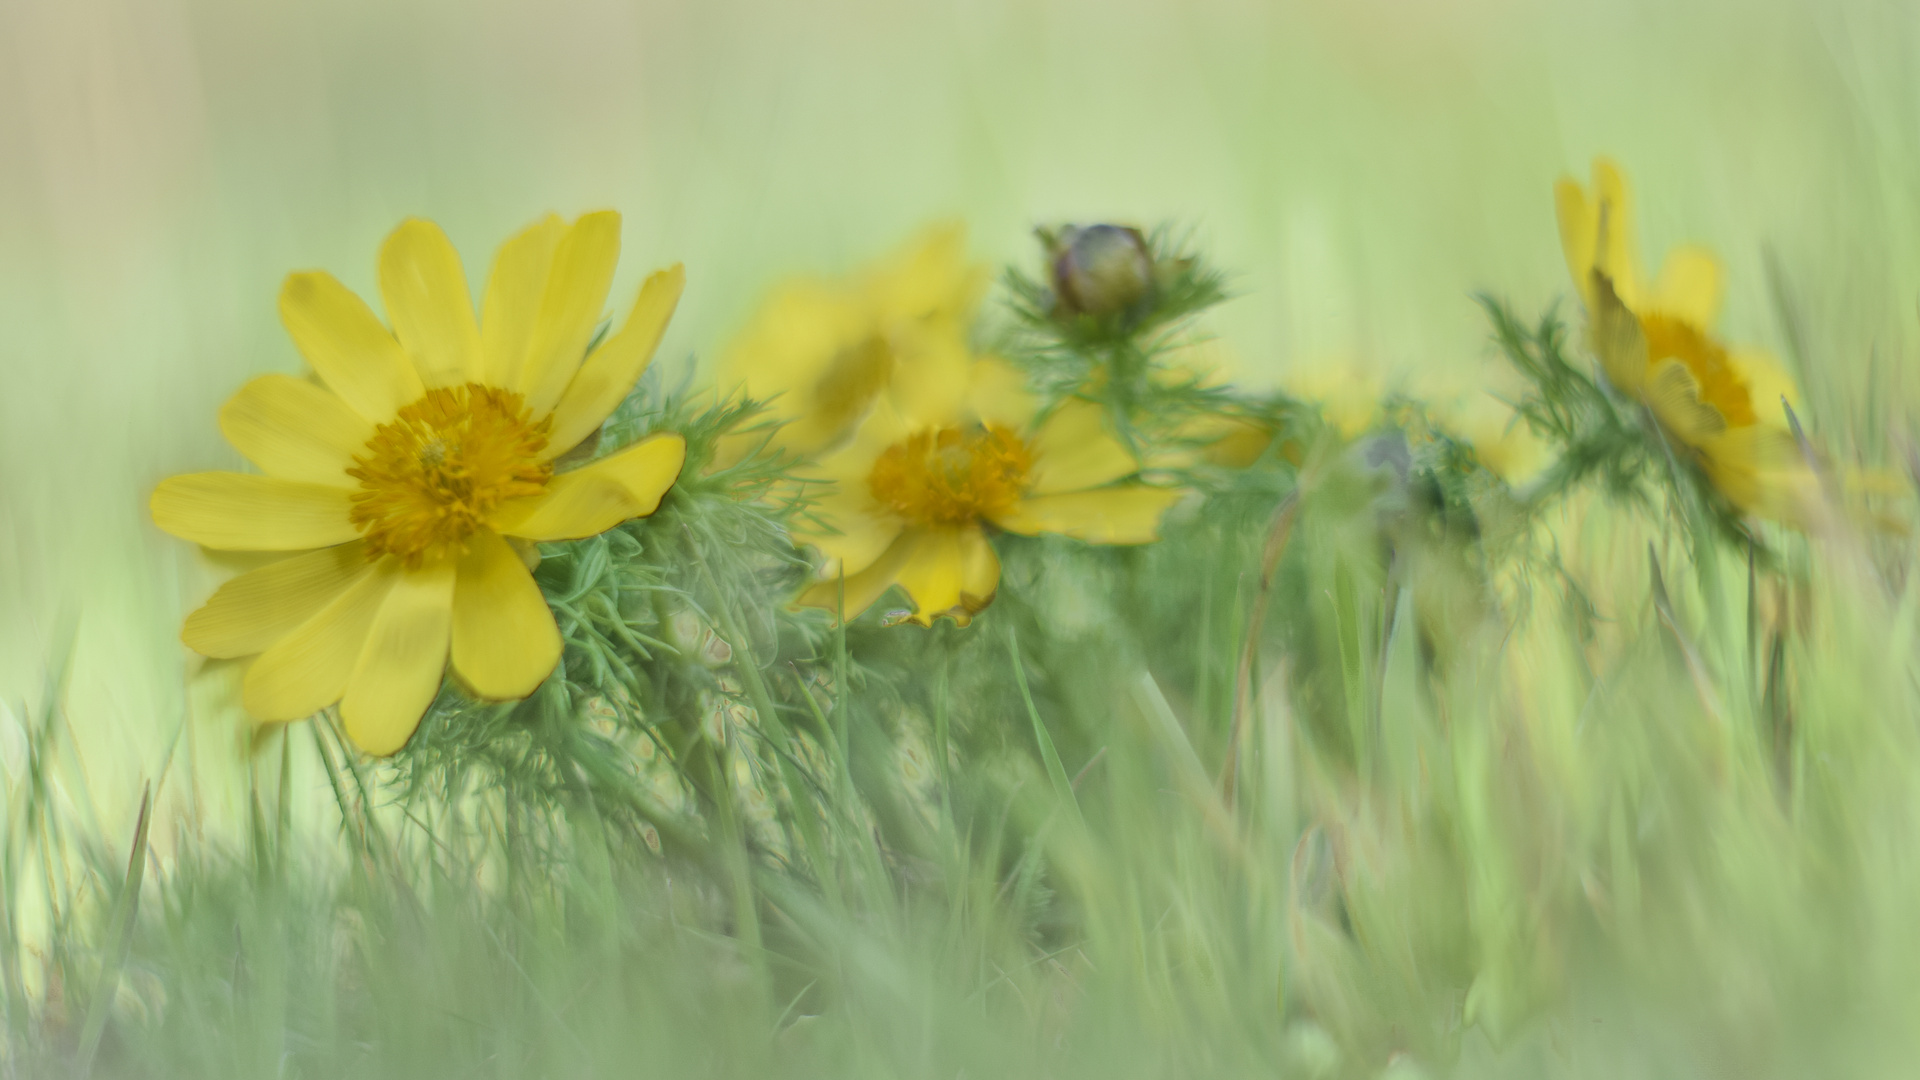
(1360, 167)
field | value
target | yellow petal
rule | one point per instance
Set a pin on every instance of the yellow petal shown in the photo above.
(791, 340)
(814, 355)
(570, 308)
(609, 374)
(859, 591)
(823, 352)
(853, 461)
(1129, 514)
(1227, 441)
(1596, 232)
(998, 394)
(426, 295)
(928, 279)
(1673, 394)
(258, 608)
(1689, 287)
(1578, 231)
(951, 573)
(308, 669)
(504, 638)
(1615, 248)
(295, 430)
(1617, 339)
(237, 512)
(932, 374)
(401, 665)
(599, 495)
(512, 303)
(848, 526)
(344, 341)
(1073, 451)
(1769, 385)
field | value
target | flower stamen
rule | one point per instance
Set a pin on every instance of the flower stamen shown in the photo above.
(430, 477)
(950, 476)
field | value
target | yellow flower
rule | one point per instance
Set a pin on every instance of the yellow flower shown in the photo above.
(1656, 345)
(912, 493)
(823, 352)
(412, 475)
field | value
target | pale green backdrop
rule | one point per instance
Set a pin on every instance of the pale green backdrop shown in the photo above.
(1361, 167)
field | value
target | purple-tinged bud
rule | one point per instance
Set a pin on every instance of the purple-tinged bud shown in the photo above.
(1099, 269)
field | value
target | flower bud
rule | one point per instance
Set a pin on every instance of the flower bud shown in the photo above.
(1099, 269)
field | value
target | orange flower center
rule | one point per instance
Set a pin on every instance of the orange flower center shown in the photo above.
(949, 476)
(430, 477)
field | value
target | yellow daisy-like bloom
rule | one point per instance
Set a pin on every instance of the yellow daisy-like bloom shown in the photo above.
(822, 352)
(412, 475)
(1655, 343)
(912, 493)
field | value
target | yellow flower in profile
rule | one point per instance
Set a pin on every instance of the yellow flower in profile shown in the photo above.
(822, 352)
(913, 492)
(1655, 343)
(412, 475)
